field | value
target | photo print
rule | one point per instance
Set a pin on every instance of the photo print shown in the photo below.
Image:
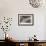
(25, 19)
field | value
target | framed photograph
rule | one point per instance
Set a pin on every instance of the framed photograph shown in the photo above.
(25, 19)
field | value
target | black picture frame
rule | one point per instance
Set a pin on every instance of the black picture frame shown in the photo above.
(25, 19)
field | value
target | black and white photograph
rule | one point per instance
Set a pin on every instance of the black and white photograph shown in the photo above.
(25, 19)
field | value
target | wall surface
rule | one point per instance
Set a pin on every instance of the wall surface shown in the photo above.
(11, 8)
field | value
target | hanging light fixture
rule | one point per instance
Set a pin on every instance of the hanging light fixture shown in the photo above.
(36, 3)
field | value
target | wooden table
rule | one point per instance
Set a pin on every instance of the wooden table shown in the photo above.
(28, 43)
